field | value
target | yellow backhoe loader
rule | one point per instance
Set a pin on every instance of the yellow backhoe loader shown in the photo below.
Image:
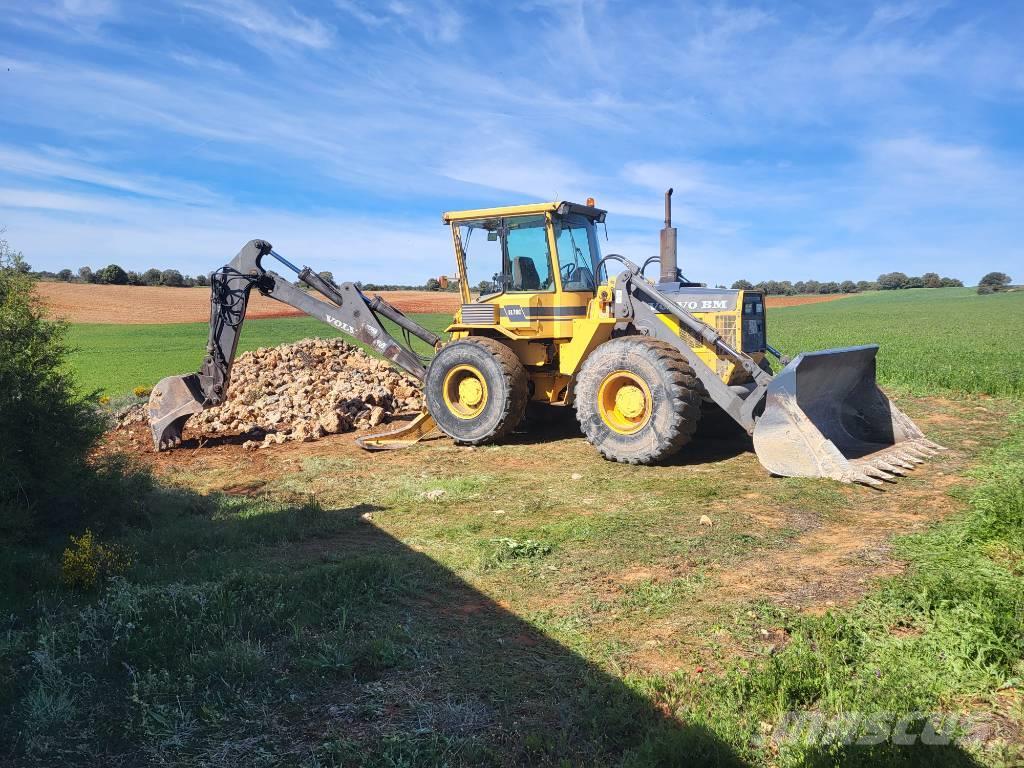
(554, 321)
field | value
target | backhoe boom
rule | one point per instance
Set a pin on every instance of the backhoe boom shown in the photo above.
(175, 398)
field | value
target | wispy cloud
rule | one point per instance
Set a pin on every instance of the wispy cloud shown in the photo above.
(794, 138)
(257, 23)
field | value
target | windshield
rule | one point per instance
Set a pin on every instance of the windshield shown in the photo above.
(578, 252)
(507, 254)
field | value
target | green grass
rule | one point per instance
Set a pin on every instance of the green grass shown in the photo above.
(946, 340)
(115, 359)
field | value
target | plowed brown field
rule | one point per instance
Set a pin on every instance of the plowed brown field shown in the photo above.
(141, 305)
(138, 305)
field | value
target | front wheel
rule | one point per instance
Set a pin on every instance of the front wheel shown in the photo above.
(637, 400)
(476, 390)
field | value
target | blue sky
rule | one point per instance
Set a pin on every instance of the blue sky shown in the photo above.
(804, 139)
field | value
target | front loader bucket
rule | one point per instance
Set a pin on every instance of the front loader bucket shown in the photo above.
(171, 403)
(825, 416)
(404, 436)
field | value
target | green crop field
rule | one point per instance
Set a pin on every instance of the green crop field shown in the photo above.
(114, 359)
(947, 340)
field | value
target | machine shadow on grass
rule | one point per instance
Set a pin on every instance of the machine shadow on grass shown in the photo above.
(717, 438)
(300, 635)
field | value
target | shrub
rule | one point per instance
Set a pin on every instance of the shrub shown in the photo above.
(88, 562)
(142, 391)
(47, 428)
(986, 289)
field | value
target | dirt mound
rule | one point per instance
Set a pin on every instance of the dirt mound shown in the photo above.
(306, 390)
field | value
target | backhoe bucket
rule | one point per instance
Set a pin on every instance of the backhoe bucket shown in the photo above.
(825, 416)
(404, 436)
(171, 403)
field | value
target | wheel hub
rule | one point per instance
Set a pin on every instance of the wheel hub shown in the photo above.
(465, 391)
(624, 402)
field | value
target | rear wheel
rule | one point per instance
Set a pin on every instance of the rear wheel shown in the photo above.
(637, 400)
(476, 390)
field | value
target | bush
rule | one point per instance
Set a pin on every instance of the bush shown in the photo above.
(142, 391)
(986, 289)
(88, 562)
(47, 428)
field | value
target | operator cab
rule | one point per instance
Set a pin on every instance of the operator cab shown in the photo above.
(544, 248)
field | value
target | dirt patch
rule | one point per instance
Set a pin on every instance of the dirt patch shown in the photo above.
(773, 302)
(148, 305)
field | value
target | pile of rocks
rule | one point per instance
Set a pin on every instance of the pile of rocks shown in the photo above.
(306, 390)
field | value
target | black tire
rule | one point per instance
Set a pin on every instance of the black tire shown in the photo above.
(504, 401)
(671, 404)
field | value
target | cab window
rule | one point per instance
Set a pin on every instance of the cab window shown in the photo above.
(509, 255)
(578, 252)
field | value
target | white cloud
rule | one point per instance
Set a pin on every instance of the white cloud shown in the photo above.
(246, 17)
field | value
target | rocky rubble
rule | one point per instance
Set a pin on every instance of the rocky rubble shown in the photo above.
(306, 390)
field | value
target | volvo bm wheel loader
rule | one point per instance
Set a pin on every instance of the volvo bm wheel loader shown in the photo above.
(556, 322)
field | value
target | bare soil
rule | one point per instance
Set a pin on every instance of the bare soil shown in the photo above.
(147, 305)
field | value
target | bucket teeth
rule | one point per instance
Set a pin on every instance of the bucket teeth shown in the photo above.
(929, 444)
(908, 459)
(880, 474)
(916, 450)
(888, 467)
(860, 477)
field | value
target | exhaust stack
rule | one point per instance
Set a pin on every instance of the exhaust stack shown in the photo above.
(667, 256)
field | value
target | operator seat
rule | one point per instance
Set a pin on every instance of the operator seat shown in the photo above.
(524, 274)
(582, 280)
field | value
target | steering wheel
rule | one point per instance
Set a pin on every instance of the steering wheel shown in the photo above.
(567, 272)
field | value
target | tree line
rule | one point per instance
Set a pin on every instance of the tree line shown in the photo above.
(886, 282)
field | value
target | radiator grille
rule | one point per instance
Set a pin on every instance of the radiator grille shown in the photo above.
(726, 327)
(479, 314)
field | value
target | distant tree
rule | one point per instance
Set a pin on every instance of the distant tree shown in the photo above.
(890, 281)
(188, 282)
(931, 280)
(151, 277)
(433, 284)
(800, 286)
(867, 285)
(135, 278)
(65, 275)
(485, 286)
(848, 286)
(915, 282)
(743, 285)
(951, 282)
(85, 275)
(172, 278)
(112, 274)
(787, 288)
(328, 276)
(202, 280)
(997, 281)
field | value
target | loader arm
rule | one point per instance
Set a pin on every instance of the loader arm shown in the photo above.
(822, 415)
(175, 398)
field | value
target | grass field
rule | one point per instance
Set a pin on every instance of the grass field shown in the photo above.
(942, 340)
(311, 605)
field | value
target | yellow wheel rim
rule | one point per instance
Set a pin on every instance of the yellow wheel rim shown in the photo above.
(465, 391)
(624, 402)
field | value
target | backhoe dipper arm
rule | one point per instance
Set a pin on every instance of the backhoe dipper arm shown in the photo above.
(175, 398)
